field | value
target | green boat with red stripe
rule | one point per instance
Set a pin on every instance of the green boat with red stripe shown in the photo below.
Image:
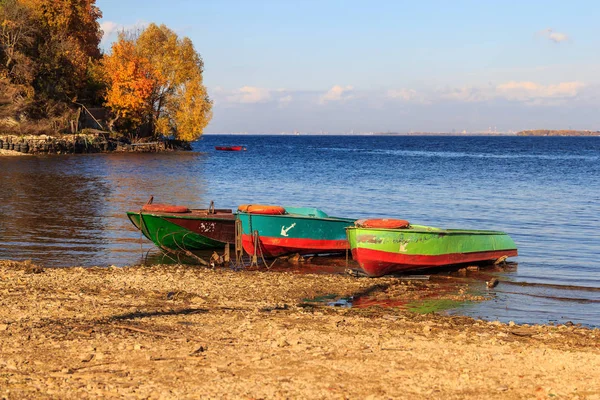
(275, 231)
(384, 246)
(173, 227)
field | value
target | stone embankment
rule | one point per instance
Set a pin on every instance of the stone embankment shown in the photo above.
(82, 143)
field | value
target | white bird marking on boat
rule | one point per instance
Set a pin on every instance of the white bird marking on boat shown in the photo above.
(207, 226)
(402, 248)
(285, 230)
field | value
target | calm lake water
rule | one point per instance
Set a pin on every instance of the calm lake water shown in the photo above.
(545, 192)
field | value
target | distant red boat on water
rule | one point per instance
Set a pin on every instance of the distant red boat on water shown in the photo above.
(230, 148)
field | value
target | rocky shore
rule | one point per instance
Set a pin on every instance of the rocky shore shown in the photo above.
(185, 332)
(93, 142)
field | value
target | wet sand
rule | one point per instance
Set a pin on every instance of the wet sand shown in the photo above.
(185, 332)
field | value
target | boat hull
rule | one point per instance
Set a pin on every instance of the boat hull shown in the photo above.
(383, 251)
(229, 148)
(301, 233)
(196, 230)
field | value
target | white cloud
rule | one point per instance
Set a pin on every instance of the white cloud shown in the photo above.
(108, 27)
(403, 94)
(556, 37)
(468, 94)
(407, 96)
(528, 91)
(523, 92)
(111, 30)
(285, 100)
(337, 93)
(519, 104)
(250, 94)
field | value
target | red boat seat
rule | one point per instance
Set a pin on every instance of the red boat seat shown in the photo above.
(386, 223)
(261, 209)
(166, 208)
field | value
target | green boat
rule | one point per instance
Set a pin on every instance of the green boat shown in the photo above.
(180, 228)
(386, 246)
(275, 231)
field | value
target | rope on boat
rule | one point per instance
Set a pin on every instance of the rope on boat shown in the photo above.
(186, 251)
(254, 260)
(182, 250)
(166, 251)
(239, 248)
(141, 231)
(258, 249)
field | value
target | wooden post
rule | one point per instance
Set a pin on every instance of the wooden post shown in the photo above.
(226, 256)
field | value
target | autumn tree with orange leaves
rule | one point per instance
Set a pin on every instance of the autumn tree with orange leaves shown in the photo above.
(131, 82)
(155, 80)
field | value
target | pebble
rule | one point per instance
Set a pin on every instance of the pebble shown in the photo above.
(281, 342)
(492, 283)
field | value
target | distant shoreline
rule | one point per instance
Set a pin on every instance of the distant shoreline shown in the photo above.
(550, 132)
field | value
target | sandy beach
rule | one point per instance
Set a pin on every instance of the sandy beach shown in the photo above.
(184, 332)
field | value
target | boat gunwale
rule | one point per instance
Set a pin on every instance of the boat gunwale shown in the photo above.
(301, 216)
(190, 215)
(424, 229)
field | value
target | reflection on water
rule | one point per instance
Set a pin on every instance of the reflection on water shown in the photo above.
(68, 210)
(49, 214)
(530, 302)
(545, 192)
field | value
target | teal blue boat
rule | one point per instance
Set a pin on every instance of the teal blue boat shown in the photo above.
(275, 231)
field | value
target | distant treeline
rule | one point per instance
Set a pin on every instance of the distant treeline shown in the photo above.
(561, 132)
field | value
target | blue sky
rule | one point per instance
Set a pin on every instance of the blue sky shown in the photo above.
(359, 66)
